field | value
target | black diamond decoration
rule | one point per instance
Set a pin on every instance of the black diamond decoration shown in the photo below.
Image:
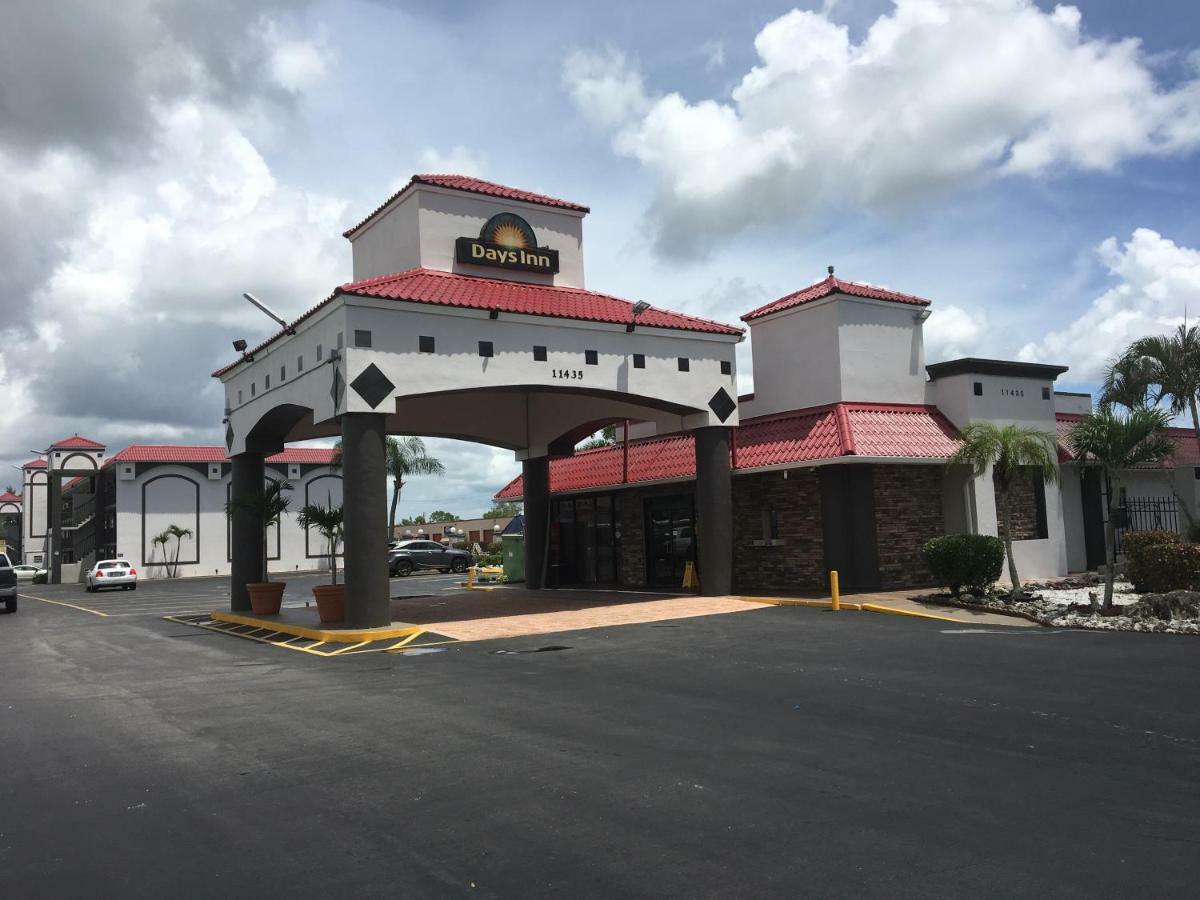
(722, 404)
(228, 436)
(372, 385)
(337, 389)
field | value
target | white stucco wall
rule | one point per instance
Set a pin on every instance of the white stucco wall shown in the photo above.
(35, 521)
(164, 494)
(1008, 400)
(835, 349)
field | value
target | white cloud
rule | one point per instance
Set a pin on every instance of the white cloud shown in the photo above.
(459, 160)
(714, 55)
(938, 93)
(295, 64)
(953, 332)
(1159, 281)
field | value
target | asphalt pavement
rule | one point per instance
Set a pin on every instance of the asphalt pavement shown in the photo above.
(780, 752)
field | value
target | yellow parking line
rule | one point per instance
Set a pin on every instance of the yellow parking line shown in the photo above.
(347, 647)
(411, 637)
(94, 612)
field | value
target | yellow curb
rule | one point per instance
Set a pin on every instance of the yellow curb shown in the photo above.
(323, 635)
(871, 607)
(792, 601)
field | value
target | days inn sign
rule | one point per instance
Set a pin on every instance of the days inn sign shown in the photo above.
(507, 242)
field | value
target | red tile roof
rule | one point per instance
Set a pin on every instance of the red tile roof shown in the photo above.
(1187, 451)
(473, 186)
(867, 430)
(827, 288)
(9, 497)
(35, 464)
(449, 289)
(170, 453)
(75, 442)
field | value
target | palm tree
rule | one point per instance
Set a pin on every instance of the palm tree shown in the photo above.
(1166, 367)
(179, 534)
(163, 538)
(328, 521)
(404, 457)
(1116, 444)
(267, 507)
(1127, 382)
(1011, 451)
(605, 437)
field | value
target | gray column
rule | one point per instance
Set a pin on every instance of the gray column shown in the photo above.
(714, 512)
(54, 527)
(245, 530)
(364, 504)
(535, 475)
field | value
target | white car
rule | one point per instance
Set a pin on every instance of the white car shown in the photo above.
(112, 573)
(27, 572)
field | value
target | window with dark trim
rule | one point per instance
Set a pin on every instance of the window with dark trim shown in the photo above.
(685, 364)
(979, 389)
(362, 338)
(1045, 393)
(539, 353)
(252, 389)
(283, 373)
(485, 348)
(591, 357)
(320, 353)
(299, 363)
(726, 367)
(639, 360)
(425, 344)
(266, 382)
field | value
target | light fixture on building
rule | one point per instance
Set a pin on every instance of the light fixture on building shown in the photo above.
(922, 315)
(262, 307)
(638, 308)
(240, 346)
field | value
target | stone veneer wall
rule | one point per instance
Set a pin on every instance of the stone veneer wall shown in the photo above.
(796, 564)
(632, 565)
(908, 512)
(1022, 496)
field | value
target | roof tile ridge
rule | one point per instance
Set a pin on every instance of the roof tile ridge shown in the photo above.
(845, 433)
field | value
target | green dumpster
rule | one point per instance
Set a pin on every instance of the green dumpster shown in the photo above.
(513, 549)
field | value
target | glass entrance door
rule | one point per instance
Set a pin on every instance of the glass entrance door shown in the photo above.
(670, 539)
(584, 546)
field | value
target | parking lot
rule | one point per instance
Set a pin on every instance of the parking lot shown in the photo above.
(777, 752)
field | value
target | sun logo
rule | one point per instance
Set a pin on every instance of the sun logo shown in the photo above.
(508, 230)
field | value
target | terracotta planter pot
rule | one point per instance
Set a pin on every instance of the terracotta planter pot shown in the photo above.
(266, 597)
(331, 602)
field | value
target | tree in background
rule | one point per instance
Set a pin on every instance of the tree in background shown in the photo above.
(162, 539)
(502, 511)
(179, 534)
(440, 515)
(418, 519)
(1012, 451)
(605, 437)
(1115, 444)
(1158, 369)
(404, 458)
(327, 520)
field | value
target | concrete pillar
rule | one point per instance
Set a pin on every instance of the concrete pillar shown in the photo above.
(246, 545)
(714, 512)
(54, 528)
(364, 502)
(535, 475)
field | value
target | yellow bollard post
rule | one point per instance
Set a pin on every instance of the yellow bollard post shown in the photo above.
(471, 578)
(833, 588)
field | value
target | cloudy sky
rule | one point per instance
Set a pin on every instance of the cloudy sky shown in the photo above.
(1033, 169)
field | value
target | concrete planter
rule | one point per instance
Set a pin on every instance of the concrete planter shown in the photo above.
(266, 597)
(331, 602)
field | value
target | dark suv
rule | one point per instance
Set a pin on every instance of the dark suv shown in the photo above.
(409, 556)
(8, 583)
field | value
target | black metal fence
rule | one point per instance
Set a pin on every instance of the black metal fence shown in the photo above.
(1146, 514)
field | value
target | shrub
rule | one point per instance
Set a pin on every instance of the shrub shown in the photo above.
(1135, 545)
(957, 561)
(1171, 566)
(1166, 607)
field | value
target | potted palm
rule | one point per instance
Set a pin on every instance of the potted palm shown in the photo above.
(267, 507)
(327, 520)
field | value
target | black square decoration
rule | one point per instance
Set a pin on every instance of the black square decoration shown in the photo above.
(337, 389)
(372, 385)
(726, 367)
(722, 404)
(228, 436)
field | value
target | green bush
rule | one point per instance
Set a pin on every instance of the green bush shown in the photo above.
(1171, 566)
(971, 561)
(1135, 545)
(493, 556)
